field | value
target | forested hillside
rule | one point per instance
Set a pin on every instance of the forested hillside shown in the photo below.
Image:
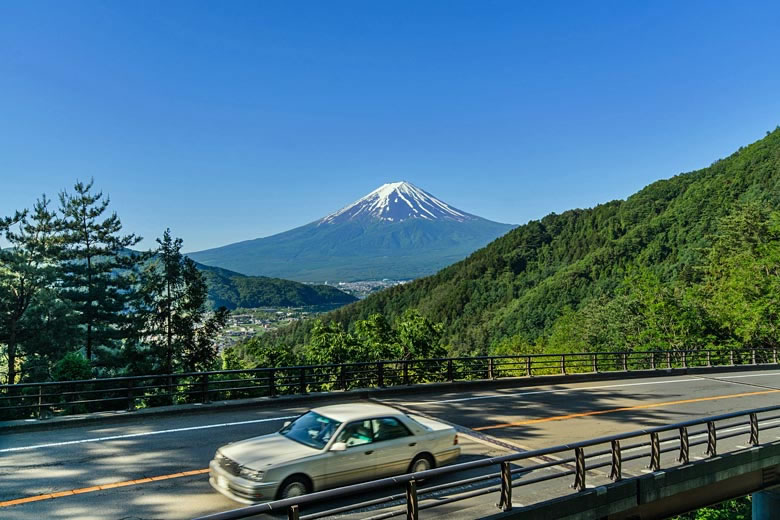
(231, 290)
(689, 260)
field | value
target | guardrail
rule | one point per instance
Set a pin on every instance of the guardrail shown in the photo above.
(574, 454)
(117, 393)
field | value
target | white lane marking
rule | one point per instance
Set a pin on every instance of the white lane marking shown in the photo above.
(563, 391)
(144, 434)
(725, 378)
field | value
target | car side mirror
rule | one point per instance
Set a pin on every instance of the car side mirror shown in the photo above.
(339, 446)
(286, 424)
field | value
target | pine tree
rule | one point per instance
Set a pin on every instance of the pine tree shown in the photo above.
(178, 328)
(26, 268)
(98, 270)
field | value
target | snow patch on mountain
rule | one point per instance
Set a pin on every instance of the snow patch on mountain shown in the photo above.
(396, 202)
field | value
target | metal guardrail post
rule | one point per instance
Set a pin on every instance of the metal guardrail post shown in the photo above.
(130, 396)
(204, 389)
(616, 473)
(685, 448)
(505, 502)
(40, 402)
(406, 371)
(753, 429)
(343, 377)
(380, 374)
(450, 371)
(579, 466)
(411, 500)
(304, 388)
(655, 452)
(271, 383)
(293, 513)
(712, 439)
(528, 366)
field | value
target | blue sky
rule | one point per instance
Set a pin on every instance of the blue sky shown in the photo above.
(233, 120)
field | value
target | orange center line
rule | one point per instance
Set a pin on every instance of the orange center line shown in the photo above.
(623, 409)
(59, 494)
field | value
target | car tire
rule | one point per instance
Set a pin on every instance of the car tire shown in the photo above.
(421, 462)
(293, 487)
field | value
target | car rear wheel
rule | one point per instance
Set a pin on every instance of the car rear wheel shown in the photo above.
(293, 487)
(421, 463)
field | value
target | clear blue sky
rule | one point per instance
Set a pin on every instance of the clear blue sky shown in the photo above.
(233, 120)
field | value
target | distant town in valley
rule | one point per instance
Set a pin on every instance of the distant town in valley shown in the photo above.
(246, 323)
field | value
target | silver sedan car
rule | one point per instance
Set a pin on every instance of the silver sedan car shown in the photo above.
(328, 447)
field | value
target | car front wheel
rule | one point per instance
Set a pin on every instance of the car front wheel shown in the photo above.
(293, 487)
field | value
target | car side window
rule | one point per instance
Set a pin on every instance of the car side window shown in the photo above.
(388, 428)
(356, 433)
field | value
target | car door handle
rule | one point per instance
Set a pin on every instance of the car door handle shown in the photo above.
(412, 444)
(369, 452)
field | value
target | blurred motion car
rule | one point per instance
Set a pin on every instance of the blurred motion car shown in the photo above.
(328, 447)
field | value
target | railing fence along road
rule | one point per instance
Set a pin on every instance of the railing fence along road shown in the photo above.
(649, 442)
(129, 393)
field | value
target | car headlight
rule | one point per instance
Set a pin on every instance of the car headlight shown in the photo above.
(251, 474)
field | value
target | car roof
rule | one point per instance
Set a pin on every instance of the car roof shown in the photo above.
(356, 411)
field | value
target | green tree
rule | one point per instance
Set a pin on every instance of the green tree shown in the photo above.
(742, 282)
(330, 343)
(98, 273)
(377, 339)
(178, 329)
(419, 337)
(26, 268)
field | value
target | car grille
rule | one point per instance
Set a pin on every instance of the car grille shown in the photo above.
(229, 465)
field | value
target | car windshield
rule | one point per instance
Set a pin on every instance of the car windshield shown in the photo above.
(311, 429)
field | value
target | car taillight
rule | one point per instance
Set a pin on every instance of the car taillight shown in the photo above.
(455, 440)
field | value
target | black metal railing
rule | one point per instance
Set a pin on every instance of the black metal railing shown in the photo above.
(129, 393)
(574, 463)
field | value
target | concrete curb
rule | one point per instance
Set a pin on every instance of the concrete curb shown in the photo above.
(67, 421)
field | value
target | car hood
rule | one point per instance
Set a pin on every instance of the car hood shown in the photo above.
(267, 450)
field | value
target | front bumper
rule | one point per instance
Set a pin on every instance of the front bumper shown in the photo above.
(240, 489)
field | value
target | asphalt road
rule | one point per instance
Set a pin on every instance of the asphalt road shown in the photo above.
(155, 469)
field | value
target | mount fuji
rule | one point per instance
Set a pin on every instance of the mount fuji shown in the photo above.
(397, 231)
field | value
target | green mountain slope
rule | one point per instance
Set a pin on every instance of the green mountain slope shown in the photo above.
(520, 284)
(232, 290)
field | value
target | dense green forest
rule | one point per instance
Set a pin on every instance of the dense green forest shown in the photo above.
(232, 290)
(691, 261)
(77, 302)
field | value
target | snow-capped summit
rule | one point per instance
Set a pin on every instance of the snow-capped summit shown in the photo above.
(396, 202)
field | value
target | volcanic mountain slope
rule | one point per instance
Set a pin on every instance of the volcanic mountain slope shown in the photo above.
(397, 231)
